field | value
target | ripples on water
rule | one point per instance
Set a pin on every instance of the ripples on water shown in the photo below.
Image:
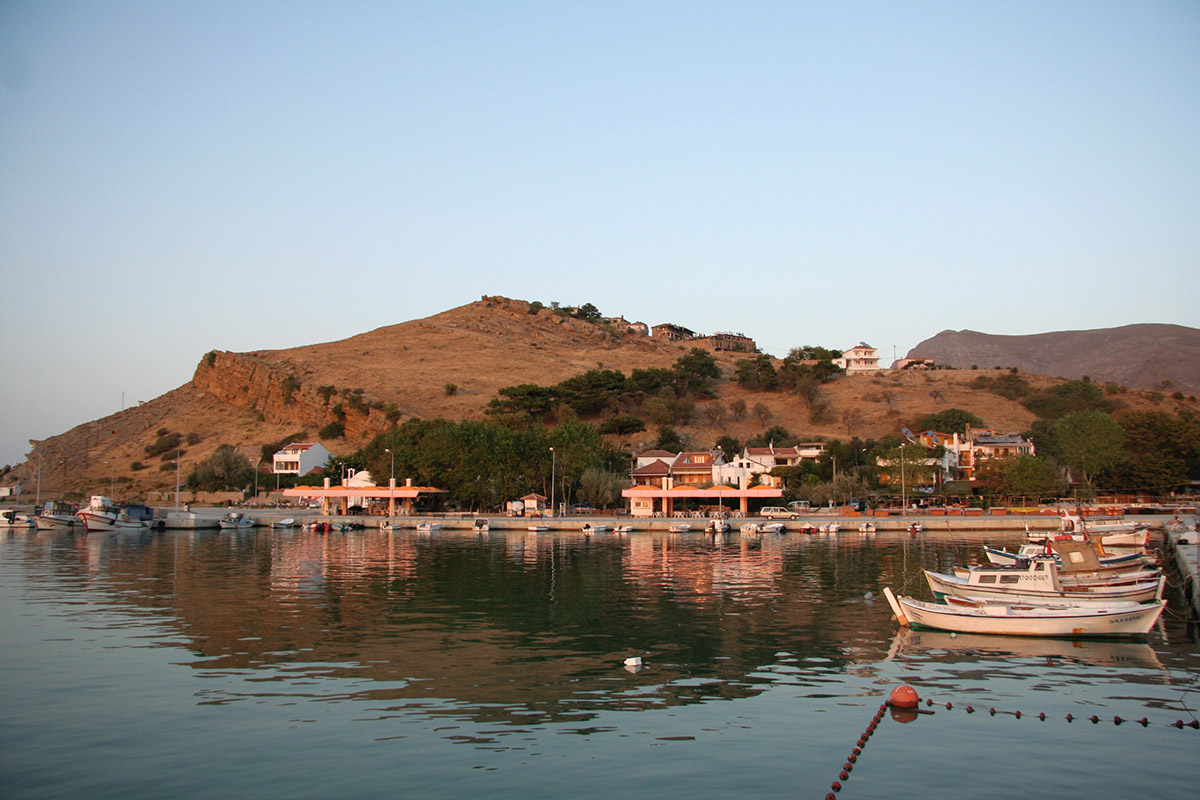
(298, 664)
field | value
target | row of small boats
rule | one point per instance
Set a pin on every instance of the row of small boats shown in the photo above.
(1059, 588)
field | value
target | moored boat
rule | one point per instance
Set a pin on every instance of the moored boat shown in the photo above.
(480, 525)
(866, 527)
(9, 518)
(235, 520)
(99, 514)
(679, 527)
(594, 528)
(1010, 619)
(56, 515)
(287, 522)
(1038, 581)
(429, 527)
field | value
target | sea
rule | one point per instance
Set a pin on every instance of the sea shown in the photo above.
(514, 664)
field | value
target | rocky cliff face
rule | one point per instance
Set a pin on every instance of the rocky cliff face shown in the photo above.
(277, 396)
(1161, 357)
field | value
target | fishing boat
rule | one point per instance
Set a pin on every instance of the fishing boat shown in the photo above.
(807, 527)
(1116, 533)
(9, 518)
(1037, 581)
(679, 527)
(99, 514)
(538, 528)
(480, 525)
(1003, 558)
(390, 525)
(1012, 619)
(829, 527)
(287, 522)
(235, 520)
(716, 525)
(622, 529)
(866, 527)
(594, 528)
(1077, 565)
(429, 527)
(56, 515)
(915, 527)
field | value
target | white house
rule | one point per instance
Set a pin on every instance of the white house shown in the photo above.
(300, 458)
(861, 358)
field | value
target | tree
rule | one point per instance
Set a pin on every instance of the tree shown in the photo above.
(1090, 441)
(622, 423)
(226, 469)
(952, 420)
(757, 374)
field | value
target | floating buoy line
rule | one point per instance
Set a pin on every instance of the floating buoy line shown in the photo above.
(904, 704)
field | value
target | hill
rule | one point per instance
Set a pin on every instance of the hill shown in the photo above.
(451, 365)
(1148, 356)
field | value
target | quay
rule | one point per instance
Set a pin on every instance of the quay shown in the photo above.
(1183, 545)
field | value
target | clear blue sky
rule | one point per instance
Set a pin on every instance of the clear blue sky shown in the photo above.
(182, 176)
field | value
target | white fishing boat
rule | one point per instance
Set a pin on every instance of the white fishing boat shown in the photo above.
(287, 522)
(390, 525)
(235, 520)
(679, 527)
(99, 514)
(9, 518)
(915, 527)
(829, 527)
(866, 527)
(1038, 581)
(480, 525)
(1114, 532)
(716, 525)
(538, 528)
(1006, 558)
(622, 529)
(1077, 565)
(429, 527)
(56, 515)
(1011, 619)
(594, 528)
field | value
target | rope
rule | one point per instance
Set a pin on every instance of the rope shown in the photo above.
(857, 751)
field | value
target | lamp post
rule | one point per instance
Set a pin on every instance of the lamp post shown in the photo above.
(37, 500)
(391, 483)
(178, 458)
(903, 490)
(552, 469)
(256, 463)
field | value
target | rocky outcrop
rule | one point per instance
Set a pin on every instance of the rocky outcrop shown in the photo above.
(277, 396)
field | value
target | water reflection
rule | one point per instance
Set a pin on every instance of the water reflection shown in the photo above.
(521, 628)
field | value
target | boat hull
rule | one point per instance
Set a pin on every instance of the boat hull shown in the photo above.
(1017, 620)
(1091, 595)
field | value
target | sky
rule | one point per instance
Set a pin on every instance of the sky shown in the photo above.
(177, 177)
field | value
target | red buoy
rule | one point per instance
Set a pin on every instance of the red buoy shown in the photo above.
(904, 697)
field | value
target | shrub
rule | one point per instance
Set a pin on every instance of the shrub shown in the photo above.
(194, 438)
(450, 388)
(334, 430)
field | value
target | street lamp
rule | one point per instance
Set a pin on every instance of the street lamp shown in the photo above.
(391, 483)
(903, 490)
(256, 463)
(552, 465)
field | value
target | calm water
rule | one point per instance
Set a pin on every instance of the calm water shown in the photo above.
(371, 664)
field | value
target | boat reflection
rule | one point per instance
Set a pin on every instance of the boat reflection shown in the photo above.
(944, 647)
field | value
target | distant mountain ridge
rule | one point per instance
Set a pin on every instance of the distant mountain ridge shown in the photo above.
(1141, 356)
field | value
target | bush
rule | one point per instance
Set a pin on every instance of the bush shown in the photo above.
(334, 430)
(450, 388)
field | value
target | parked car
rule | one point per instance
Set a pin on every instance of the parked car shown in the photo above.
(771, 512)
(799, 506)
(582, 509)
